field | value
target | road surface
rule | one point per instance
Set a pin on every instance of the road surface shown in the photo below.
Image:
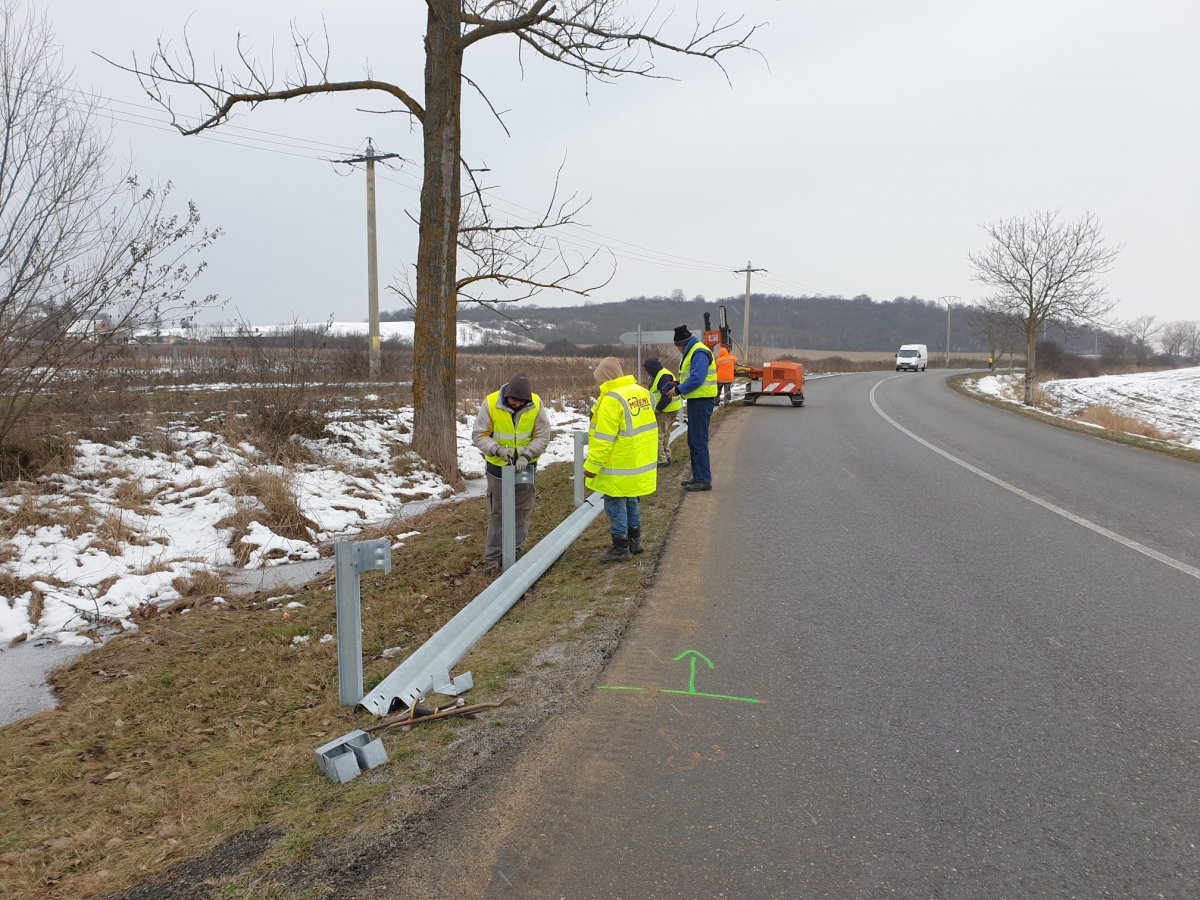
(873, 667)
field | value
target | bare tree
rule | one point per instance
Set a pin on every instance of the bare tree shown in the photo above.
(1193, 339)
(1174, 337)
(1142, 331)
(87, 253)
(1044, 268)
(995, 323)
(596, 37)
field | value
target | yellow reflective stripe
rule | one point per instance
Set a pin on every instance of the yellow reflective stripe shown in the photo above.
(604, 437)
(641, 470)
(652, 426)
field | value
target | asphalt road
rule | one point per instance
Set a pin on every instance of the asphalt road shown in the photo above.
(964, 688)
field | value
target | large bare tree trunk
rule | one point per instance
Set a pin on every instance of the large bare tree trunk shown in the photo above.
(1031, 331)
(435, 343)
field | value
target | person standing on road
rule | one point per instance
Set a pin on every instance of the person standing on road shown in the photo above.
(698, 386)
(622, 446)
(512, 428)
(666, 407)
(726, 362)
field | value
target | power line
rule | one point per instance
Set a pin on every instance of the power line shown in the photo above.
(577, 236)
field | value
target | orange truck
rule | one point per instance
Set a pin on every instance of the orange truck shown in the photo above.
(774, 379)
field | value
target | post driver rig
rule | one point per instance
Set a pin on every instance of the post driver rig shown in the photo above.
(772, 379)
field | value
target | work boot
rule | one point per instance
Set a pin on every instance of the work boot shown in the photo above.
(635, 540)
(618, 552)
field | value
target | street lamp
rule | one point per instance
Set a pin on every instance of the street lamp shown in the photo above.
(948, 300)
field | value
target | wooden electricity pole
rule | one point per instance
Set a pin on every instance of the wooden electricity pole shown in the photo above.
(746, 314)
(369, 158)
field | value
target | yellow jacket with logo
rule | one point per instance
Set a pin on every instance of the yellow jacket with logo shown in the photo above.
(623, 441)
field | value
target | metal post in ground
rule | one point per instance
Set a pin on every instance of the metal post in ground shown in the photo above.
(580, 454)
(509, 479)
(508, 516)
(351, 560)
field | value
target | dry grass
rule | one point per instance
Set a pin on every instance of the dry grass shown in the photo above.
(134, 497)
(13, 586)
(265, 497)
(202, 726)
(114, 530)
(200, 585)
(1115, 420)
(29, 516)
(960, 384)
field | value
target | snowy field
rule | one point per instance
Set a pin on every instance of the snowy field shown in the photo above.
(127, 520)
(469, 334)
(1168, 400)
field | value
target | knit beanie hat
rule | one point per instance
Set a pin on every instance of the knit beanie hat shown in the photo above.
(652, 366)
(518, 387)
(682, 335)
(608, 369)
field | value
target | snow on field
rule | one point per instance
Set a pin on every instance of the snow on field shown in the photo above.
(469, 334)
(1169, 400)
(114, 533)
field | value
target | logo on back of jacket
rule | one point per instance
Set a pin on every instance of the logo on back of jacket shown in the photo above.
(639, 404)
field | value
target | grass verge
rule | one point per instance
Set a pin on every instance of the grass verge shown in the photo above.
(960, 384)
(198, 730)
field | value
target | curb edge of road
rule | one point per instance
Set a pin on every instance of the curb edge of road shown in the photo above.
(958, 383)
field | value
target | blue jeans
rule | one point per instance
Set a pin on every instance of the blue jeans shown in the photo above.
(623, 513)
(699, 411)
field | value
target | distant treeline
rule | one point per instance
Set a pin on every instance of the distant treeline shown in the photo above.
(809, 322)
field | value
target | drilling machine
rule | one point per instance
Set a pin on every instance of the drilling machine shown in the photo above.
(773, 379)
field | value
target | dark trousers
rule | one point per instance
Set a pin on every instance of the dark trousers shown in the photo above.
(699, 412)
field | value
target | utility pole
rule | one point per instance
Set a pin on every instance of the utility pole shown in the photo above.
(746, 313)
(948, 300)
(373, 355)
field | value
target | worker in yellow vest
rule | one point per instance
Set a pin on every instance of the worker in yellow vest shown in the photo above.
(666, 407)
(698, 386)
(512, 428)
(622, 449)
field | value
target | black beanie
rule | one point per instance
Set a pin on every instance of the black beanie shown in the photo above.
(682, 335)
(518, 387)
(652, 365)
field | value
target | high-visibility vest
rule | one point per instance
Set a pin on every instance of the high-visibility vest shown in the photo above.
(726, 362)
(656, 395)
(510, 432)
(623, 440)
(708, 387)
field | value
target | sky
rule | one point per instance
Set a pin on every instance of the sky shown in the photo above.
(859, 151)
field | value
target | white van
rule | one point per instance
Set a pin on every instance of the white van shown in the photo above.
(912, 356)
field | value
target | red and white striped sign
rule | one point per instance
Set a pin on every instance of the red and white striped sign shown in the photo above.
(779, 387)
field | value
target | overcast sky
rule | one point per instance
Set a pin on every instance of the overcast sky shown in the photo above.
(861, 156)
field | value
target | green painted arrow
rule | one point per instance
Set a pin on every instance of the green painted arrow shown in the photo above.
(692, 656)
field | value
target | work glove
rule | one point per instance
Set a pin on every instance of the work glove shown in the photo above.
(522, 463)
(510, 455)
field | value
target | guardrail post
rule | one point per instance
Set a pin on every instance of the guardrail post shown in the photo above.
(581, 440)
(508, 516)
(351, 560)
(509, 479)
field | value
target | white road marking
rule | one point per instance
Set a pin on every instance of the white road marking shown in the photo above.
(1045, 504)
